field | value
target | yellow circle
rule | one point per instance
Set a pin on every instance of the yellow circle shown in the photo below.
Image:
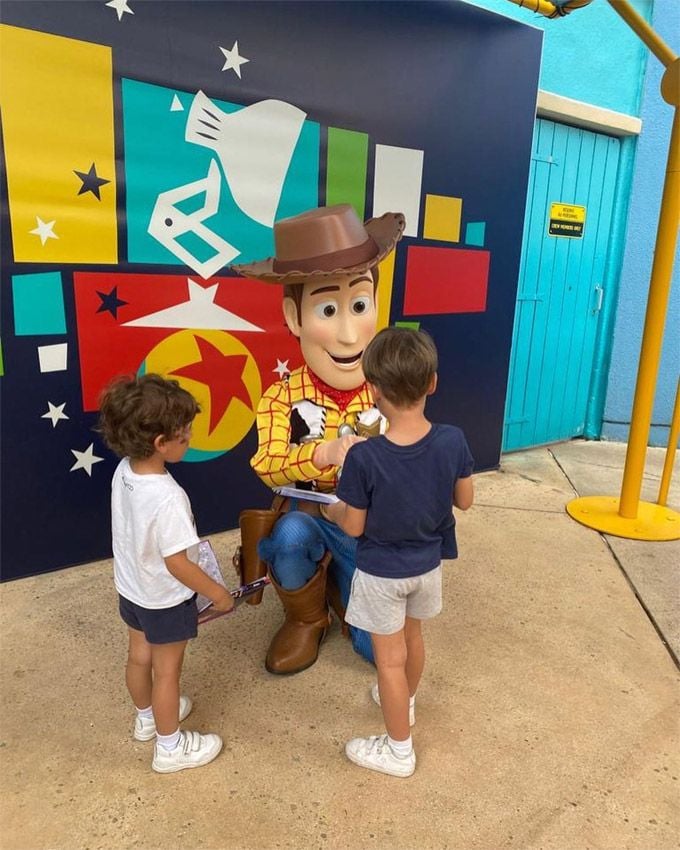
(180, 350)
(653, 522)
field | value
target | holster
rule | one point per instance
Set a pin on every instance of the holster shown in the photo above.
(254, 524)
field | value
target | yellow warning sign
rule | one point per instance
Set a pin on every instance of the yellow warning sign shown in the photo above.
(567, 220)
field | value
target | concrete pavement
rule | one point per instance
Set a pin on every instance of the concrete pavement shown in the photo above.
(547, 717)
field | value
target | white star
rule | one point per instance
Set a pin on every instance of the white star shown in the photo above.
(200, 311)
(44, 230)
(85, 460)
(281, 367)
(234, 61)
(120, 6)
(55, 413)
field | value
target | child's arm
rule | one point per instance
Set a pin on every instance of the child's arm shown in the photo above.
(191, 575)
(351, 520)
(463, 493)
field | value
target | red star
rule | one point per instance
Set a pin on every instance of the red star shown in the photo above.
(223, 374)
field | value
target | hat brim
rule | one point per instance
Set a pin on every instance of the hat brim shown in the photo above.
(385, 231)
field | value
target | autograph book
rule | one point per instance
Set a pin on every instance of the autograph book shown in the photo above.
(208, 563)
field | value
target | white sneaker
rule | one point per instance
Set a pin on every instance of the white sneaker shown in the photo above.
(375, 753)
(193, 750)
(375, 693)
(145, 727)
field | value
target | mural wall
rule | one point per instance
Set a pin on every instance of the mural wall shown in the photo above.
(148, 144)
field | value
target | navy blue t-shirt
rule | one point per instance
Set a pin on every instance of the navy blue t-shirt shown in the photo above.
(408, 493)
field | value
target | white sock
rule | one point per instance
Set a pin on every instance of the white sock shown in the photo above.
(146, 713)
(168, 742)
(401, 749)
(412, 701)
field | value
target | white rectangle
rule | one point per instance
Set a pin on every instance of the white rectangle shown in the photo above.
(52, 358)
(397, 184)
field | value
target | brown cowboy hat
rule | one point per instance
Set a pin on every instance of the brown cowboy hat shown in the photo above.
(326, 241)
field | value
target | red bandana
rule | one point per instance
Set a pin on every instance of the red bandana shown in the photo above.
(341, 397)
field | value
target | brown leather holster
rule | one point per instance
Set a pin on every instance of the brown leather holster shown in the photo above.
(257, 523)
(254, 524)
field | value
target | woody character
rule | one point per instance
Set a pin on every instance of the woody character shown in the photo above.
(326, 261)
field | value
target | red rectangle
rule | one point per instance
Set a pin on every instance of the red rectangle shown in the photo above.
(445, 280)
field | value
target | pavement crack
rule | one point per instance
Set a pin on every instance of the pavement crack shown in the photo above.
(515, 508)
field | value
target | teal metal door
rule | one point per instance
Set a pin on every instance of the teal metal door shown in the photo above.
(560, 292)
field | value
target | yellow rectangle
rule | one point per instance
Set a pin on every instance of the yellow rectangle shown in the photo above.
(442, 218)
(57, 113)
(385, 286)
(568, 212)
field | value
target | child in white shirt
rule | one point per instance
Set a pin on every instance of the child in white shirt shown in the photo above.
(147, 422)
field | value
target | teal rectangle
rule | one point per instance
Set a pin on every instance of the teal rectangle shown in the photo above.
(38, 304)
(474, 233)
(158, 159)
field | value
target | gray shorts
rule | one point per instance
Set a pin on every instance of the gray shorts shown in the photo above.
(380, 605)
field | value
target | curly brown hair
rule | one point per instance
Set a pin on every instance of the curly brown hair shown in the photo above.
(134, 410)
(402, 363)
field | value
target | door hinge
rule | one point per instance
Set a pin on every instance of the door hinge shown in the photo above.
(537, 157)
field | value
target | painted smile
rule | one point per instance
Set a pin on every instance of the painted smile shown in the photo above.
(346, 361)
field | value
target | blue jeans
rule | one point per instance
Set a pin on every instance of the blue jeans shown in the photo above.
(294, 549)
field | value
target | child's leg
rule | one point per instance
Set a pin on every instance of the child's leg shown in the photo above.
(166, 660)
(390, 657)
(138, 669)
(415, 653)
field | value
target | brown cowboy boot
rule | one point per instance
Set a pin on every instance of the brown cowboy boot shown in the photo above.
(296, 644)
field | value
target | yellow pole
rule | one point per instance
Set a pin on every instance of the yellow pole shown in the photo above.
(652, 337)
(670, 451)
(550, 9)
(640, 26)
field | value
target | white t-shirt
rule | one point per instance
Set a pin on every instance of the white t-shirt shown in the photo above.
(150, 520)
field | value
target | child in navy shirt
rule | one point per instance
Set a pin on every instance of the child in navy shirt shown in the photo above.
(396, 494)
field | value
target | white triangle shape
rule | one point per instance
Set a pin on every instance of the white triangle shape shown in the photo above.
(176, 105)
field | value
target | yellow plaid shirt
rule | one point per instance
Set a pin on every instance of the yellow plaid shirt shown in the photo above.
(278, 462)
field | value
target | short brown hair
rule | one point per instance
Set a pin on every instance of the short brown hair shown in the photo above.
(134, 410)
(401, 362)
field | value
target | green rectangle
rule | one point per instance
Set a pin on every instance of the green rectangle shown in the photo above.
(346, 169)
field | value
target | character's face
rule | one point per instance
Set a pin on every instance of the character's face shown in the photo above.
(338, 319)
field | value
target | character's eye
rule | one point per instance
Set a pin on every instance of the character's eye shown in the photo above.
(361, 305)
(325, 309)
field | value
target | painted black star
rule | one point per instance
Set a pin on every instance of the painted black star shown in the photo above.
(91, 182)
(110, 302)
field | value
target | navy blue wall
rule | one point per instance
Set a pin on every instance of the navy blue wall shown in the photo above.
(444, 77)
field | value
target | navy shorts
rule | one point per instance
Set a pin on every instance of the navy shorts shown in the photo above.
(162, 625)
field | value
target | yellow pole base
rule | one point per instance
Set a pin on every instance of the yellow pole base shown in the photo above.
(653, 522)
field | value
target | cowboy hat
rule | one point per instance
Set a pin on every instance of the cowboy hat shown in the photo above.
(326, 241)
